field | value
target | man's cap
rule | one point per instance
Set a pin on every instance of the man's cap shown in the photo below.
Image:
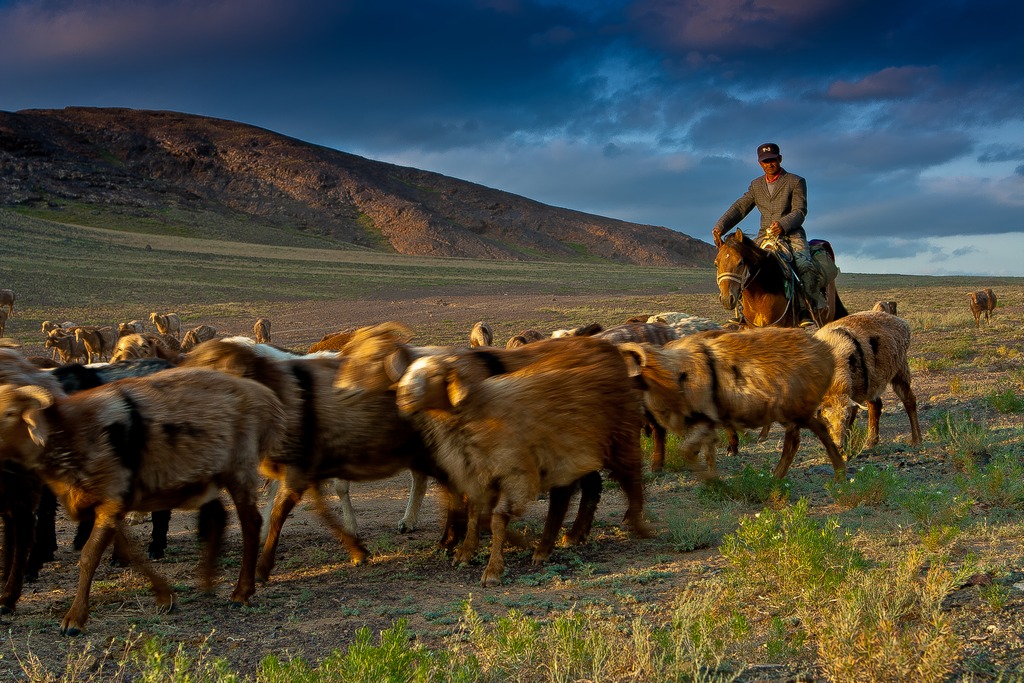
(768, 150)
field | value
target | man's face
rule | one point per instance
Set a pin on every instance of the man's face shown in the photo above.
(772, 166)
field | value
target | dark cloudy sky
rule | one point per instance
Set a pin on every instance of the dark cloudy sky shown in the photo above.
(905, 116)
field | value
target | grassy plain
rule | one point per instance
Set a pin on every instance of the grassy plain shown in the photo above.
(911, 570)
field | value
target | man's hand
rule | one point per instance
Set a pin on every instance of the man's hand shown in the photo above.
(774, 230)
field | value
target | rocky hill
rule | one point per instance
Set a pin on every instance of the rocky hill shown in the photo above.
(169, 169)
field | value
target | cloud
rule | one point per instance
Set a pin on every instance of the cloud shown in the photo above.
(997, 153)
(889, 83)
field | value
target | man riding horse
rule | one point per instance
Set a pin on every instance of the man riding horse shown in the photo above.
(781, 197)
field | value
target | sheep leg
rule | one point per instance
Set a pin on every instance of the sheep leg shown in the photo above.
(692, 443)
(658, 444)
(285, 500)
(212, 519)
(165, 598)
(417, 489)
(348, 514)
(733, 447)
(44, 545)
(821, 431)
(790, 444)
(102, 534)
(590, 495)
(158, 539)
(901, 387)
(356, 550)
(465, 552)
(455, 520)
(874, 416)
(558, 505)
(18, 532)
(249, 520)
(850, 419)
(496, 564)
(632, 484)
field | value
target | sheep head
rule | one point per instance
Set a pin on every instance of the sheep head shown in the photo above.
(20, 416)
(430, 383)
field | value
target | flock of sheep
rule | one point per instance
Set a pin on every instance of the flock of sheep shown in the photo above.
(161, 427)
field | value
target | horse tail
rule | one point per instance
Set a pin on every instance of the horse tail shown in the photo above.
(841, 311)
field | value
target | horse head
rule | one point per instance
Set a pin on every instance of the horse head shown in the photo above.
(737, 256)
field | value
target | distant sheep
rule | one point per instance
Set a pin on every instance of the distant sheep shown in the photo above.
(980, 306)
(333, 341)
(7, 299)
(130, 327)
(171, 439)
(196, 336)
(481, 335)
(885, 307)
(991, 301)
(870, 350)
(99, 342)
(146, 345)
(67, 347)
(261, 330)
(502, 439)
(167, 323)
(683, 323)
(745, 379)
(523, 338)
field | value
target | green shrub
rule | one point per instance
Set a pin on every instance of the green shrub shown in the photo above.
(1006, 401)
(688, 533)
(788, 556)
(751, 485)
(871, 485)
(999, 483)
(966, 440)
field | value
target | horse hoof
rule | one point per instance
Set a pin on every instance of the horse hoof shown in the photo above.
(70, 631)
(5, 610)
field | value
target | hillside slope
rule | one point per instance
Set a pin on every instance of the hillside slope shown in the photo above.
(203, 177)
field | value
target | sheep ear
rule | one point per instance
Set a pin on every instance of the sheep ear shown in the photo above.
(457, 389)
(39, 399)
(635, 357)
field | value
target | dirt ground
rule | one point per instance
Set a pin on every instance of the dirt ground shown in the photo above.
(316, 600)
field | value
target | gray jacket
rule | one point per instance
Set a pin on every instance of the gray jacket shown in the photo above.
(788, 205)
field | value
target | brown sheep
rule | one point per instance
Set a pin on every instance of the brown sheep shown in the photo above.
(130, 327)
(146, 345)
(979, 306)
(505, 438)
(481, 335)
(167, 323)
(523, 338)
(334, 341)
(99, 342)
(3, 321)
(991, 301)
(870, 350)
(67, 346)
(331, 433)
(885, 307)
(196, 336)
(29, 536)
(168, 440)
(744, 379)
(261, 330)
(7, 299)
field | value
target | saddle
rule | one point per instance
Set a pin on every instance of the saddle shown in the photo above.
(825, 260)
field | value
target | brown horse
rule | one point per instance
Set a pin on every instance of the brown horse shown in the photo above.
(757, 278)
